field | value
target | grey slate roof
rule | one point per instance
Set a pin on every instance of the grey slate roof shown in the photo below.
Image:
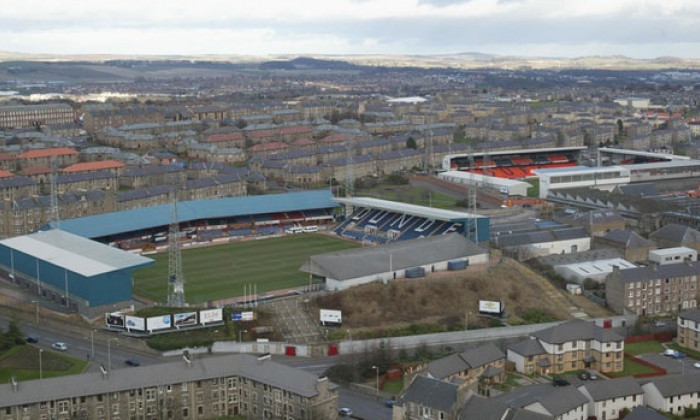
(628, 238)
(576, 330)
(542, 237)
(527, 347)
(664, 271)
(556, 400)
(268, 372)
(691, 314)
(676, 233)
(641, 412)
(671, 386)
(433, 393)
(613, 388)
(349, 264)
(491, 409)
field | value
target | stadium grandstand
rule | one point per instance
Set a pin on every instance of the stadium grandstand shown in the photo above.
(381, 221)
(512, 164)
(207, 221)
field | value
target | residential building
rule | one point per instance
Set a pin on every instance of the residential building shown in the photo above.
(572, 345)
(42, 157)
(492, 409)
(200, 388)
(673, 393)
(562, 403)
(485, 364)
(689, 329)
(427, 398)
(36, 115)
(528, 245)
(654, 289)
(608, 398)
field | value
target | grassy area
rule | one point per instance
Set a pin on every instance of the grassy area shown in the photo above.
(642, 347)
(22, 362)
(409, 194)
(631, 368)
(222, 271)
(393, 386)
(692, 353)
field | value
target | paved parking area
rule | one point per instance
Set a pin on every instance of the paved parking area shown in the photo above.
(672, 366)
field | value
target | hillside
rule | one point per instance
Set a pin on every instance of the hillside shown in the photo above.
(445, 299)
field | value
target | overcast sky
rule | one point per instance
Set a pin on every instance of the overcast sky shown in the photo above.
(547, 28)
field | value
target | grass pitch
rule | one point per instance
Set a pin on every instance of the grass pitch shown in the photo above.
(221, 271)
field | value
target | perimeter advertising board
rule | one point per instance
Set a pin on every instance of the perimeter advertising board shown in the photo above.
(115, 320)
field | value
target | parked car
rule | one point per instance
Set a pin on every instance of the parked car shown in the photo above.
(592, 376)
(559, 381)
(583, 376)
(389, 403)
(674, 353)
(59, 346)
(696, 365)
(32, 339)
(132, 362)
(345, 412)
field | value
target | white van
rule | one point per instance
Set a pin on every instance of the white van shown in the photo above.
(312, 228)
(294, 230)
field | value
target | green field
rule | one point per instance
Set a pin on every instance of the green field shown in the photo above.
(221, 271)
(22, 362)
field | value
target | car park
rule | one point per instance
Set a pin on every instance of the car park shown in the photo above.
(132, 362)
(32, 339)
(674, 353)
(59, 346)
(345, 412)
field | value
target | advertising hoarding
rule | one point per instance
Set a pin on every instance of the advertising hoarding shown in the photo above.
(330, 317)
(115, 320)
(135, 323)
(185, 319)
(242, 316)
(490, 307)
(159, 322)
(211, 315)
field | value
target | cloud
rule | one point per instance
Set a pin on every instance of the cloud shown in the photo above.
(527, 27)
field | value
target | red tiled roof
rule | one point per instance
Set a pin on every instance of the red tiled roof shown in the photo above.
(302, 142)
(36, 170)
(39, 153)
(333, 138)
(7, 156)
(94, 166)
(5, 174)
(262, 134)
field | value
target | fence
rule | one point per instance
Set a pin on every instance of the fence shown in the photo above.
(659, 336)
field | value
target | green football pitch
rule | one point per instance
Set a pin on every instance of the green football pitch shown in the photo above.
(222, 271)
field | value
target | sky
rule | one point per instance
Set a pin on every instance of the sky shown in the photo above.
(529, 28)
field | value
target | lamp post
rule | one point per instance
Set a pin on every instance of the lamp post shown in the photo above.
(92, 344)
(376, 368)
(36, 310)
(41, 372)
(109, 353)
(240, 335)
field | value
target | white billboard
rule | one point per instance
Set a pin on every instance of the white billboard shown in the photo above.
(330, 317)
(159, 322)
(242, 316)
(211, 315)
(135, 323)
(490, 307)
(185, 319)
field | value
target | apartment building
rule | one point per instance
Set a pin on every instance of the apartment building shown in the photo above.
(689, 329)
(654, 289)
(32, 115)
(428, 398)
(207, 388)
(572, 345)
(673, 393)
(42, 157)
(483, 363)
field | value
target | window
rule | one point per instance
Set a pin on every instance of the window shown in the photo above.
(62, 407)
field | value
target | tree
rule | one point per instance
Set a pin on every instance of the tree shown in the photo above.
(14, 334)
(620, 126)
(411, 143)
